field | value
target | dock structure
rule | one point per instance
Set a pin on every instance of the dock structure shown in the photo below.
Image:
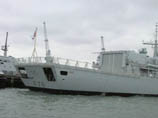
(10, 81)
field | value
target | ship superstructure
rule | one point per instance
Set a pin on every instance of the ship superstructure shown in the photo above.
(7, 62)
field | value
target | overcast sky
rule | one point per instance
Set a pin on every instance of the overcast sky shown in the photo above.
(75, 26)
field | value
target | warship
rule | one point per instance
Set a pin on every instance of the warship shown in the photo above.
(7, 62)
(8, 73)
(124, 72)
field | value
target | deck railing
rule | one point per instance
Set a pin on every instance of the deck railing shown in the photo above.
(56, 60)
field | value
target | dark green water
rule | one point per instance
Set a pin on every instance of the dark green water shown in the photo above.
(22, 103)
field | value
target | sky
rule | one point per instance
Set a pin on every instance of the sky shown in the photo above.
(74, 27)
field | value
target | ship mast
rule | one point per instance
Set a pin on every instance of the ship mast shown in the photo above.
(155, 44)
(102, 43)
(48, 52)
(5, 47)
(34, 53)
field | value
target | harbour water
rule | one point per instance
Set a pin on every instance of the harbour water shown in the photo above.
(23, 103)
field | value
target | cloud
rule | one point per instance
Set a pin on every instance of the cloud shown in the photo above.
(75, 25)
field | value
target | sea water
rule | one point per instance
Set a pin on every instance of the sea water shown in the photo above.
(23, 103)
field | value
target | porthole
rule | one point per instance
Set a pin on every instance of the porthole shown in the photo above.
(64, 73)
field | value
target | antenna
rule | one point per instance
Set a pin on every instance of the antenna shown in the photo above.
(155, 44)
(156, 30)
(102, 43)
(34, 53)
(5, 47)
(48, 52)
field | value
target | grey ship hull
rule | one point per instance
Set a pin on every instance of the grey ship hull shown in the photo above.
(86, 81)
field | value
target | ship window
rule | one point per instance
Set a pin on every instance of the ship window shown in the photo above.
(23, 72)
(63, 72)
(49, 74)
